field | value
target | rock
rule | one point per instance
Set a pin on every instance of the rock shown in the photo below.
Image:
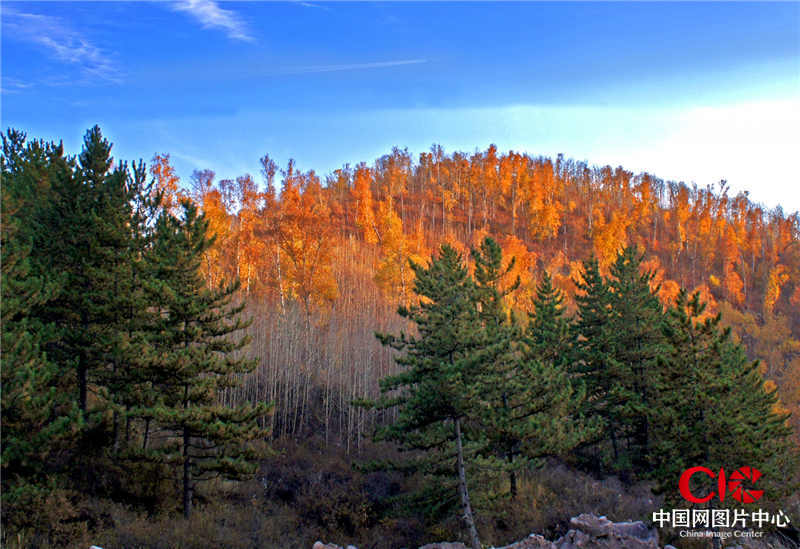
(320, 545)
(534, 541)
(587, 532)
(590, 531)
(573, 540)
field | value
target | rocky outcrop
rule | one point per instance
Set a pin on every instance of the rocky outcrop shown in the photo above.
(586, 532)
(589, 531)
(320, 545)
(592, 532)
(445, 545)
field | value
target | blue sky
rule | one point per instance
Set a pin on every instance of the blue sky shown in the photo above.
(688, 91)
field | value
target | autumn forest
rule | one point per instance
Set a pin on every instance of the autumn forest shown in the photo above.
(325, 250)
(225, 329)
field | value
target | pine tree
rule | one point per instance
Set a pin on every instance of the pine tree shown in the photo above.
(199, 358)
(525, 403)
(432, 393)
(548, 348)
(129, 381)
(500, 384)
(548, 334)
(712, 407)
(619, 339)
(590, 360)
(636, 324)
(83, 239)
(36, 418)
(489, 274)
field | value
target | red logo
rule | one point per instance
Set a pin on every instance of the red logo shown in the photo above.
(725, 486)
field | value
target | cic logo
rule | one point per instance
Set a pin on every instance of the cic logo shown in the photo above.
(725, 486)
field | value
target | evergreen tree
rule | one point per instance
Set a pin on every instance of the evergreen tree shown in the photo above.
(129, 380)
(489, 273)
(199, 359)
(83, 238)
(548, 333)
(712, 407)
(636, 324)
(525, 404)
(590, 361)
(432, 393)
(36, 419)
(499, 383)
(619, 338)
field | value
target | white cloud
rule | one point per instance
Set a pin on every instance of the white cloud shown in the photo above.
(14, 85)
(310, 5)
(212, 16)
(753, 145)
(62, 43)
(353, 66)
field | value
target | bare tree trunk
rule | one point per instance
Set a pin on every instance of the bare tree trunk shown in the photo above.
(187, 466)
(82, 383)
(187, 476)
(512, 475)
(469, 214)
(514, 210)
(146, 433)
(462, 489)
(116, 430)
(280, 278)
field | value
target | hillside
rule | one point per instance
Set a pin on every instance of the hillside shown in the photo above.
(337, 250)
(461, 347)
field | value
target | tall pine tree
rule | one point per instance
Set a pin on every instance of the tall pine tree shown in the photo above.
(525, 404)
(37, 419)
(711, 407)
(636, 326)
(432, 392)
(590, 363)
(618, 339)
(199, 357)
(548, 334)
(83, 238)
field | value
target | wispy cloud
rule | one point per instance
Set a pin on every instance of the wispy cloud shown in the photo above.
(352, 66)
(310, 5)
(212, 16)
(194, 160)
(61, 42)
(14, 85)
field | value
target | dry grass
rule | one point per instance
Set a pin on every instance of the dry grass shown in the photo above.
(306, 493)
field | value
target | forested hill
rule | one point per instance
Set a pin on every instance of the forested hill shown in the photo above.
(295, 236)
(483, 316)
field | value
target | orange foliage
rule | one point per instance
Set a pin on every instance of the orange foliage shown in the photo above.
(668, 292)
(393, 273)
(362, 194)
(610, 237)
(734, 287)
(708, 298)
(304, 233)
(292, 243)
(524, 268)
(777, 278)
(167, 182)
